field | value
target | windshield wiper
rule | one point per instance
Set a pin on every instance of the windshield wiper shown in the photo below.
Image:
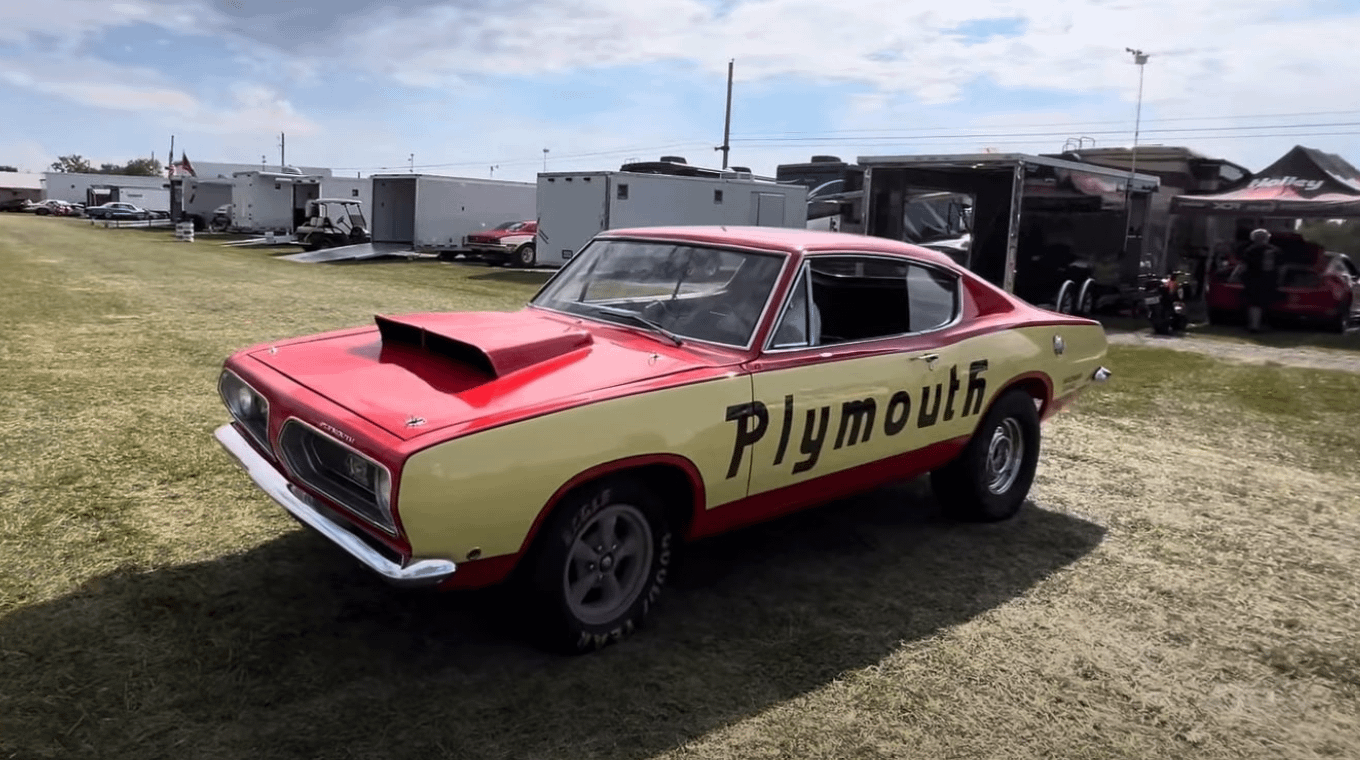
(635, 318)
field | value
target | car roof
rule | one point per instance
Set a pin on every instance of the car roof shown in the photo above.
(793, 240)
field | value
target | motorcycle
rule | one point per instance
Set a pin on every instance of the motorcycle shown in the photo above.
(1163, 301)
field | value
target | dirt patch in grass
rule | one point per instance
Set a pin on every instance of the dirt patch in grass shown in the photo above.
(1185, 584)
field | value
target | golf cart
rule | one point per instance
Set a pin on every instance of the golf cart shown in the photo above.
(333, 222)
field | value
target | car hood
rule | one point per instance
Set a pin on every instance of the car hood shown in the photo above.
(500, 234)
(459, 369)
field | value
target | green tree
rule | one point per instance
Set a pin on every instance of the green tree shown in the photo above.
(143, 167)
(1343, 237)
(9, 169)
(72, 164)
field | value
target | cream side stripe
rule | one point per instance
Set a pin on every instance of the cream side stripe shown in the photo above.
(486, 490)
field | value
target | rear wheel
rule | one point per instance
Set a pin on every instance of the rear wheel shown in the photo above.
(1342, 321)
(991, 478)
(602, 563)
(1086, 301)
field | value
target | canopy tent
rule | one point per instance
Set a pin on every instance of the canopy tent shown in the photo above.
(1303, 183)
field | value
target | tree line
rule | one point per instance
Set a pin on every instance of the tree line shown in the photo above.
(137, 167)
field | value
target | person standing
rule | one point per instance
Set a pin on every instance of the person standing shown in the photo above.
(1259, 277)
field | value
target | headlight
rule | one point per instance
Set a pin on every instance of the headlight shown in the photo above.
(247, 407)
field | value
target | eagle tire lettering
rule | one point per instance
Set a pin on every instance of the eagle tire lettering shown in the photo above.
(557, 627)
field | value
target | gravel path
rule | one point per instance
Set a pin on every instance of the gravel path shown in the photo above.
(1314, 358)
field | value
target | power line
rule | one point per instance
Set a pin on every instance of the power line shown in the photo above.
(952, 135)
(523, 161)
(1076, 124)
(855, 143)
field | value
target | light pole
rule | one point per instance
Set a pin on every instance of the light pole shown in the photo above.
(545, 159)
(1140, 58)
(412, 159)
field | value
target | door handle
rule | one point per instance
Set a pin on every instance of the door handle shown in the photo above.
(929, 359)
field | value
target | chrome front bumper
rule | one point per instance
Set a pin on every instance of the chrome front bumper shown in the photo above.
(425, 572)
(1101, 375)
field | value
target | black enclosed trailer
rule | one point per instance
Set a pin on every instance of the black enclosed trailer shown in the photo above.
(1060, 234)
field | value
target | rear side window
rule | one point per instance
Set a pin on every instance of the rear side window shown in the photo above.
(933, 296)
(856, 298)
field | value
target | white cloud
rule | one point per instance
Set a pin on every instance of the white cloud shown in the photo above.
(1249, 57)
(250, 108)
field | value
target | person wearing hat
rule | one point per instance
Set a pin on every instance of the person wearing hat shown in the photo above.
(1258, 279)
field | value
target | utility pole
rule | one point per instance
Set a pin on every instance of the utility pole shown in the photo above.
(1140, 58)
(726, 147)
(545, 159)
(493, 171)
(170, 159)
(412, 159)
(282, 163)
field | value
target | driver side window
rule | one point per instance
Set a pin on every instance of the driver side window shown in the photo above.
(840, 299)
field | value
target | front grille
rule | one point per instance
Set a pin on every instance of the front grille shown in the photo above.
(340, 473)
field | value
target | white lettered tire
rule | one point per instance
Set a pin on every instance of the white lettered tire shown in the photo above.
(990, 480)
(600, 565)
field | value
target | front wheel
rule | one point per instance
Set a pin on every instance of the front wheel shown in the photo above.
(602, 565)
(525, 256)
(991, 478)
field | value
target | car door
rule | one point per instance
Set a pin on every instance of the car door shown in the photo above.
(860, 379)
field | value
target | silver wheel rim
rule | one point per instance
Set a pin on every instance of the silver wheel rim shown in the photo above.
(608, 564)
(1005, 453)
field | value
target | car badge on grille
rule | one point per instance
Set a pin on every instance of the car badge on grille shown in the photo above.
(415, 421)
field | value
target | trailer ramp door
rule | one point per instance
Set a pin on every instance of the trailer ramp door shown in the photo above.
(394, 210)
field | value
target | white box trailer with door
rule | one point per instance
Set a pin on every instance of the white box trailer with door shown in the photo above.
(434, 213)
(200, 197)
(149, 198)
(574, 206)
(351, 188)
(271, 201)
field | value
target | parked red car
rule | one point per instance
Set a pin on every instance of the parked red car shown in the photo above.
(511, 241)
(1315, 285)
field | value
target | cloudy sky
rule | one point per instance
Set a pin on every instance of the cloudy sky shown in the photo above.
(360, 85)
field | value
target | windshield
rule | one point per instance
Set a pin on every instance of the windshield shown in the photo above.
(512, 226)
(695, 292)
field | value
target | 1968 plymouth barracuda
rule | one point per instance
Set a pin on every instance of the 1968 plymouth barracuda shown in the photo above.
(638, 401)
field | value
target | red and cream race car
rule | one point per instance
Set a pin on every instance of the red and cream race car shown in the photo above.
(648, 395)
(512, 242)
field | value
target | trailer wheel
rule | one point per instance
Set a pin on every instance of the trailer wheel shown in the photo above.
(1086, 301)
(525, 256)
(1063, 303)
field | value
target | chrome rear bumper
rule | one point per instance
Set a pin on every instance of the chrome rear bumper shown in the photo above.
(426, 572)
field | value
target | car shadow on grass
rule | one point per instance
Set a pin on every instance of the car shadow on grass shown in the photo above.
(515, 276)
(289, 650)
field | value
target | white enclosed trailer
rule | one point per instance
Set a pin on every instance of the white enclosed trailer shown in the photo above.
(77, 187)
(574, 206)
(432, 213)
(199, 198)
(352, 188)
(271, 201)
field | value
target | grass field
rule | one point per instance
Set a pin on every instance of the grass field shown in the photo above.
(1184, 585)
